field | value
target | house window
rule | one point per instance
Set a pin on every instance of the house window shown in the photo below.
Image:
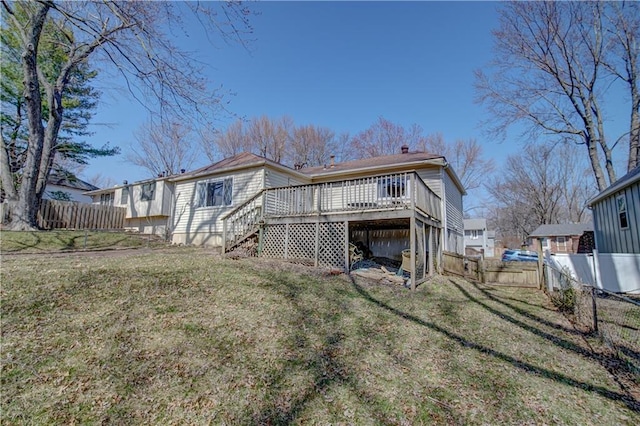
(561, 243)
(393, 187)
(215, 193)
(124, 196)
(148, 191)
(475, 234)
(622, 212)
(107, 198)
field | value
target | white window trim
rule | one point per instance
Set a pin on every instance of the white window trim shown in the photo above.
(562, 244)
(625, 210)
(208, 181)
(142, 193)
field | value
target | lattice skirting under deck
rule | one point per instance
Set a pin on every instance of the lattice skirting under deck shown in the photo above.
(298, 241)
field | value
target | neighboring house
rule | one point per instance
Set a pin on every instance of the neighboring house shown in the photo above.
(66, 187)
(616, 215)
(559, 238)
(149, 204)
(615, 264)
(477, 239)
(409, 202)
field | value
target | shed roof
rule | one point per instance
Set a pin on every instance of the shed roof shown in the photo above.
(626, 180)
(562, 230)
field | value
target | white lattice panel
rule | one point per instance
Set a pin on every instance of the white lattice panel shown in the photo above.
(274, 243)
(331, 246)
(302, 241)
(298, 241)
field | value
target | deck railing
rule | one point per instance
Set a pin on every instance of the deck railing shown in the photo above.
(242, 221)
(403, 190)
(393, 191)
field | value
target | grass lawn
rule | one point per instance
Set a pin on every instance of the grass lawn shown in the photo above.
(183, 337)
(62, 240)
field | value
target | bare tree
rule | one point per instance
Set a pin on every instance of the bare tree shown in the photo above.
(101, 181)
(466, 156)
(227, 143)
(542, 185)
(163, 147)
(384, 138)
(311, 146)
(130, 35)
(550, 72)
(270, 137)
(623, 61)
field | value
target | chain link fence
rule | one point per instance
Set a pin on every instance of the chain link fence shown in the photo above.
(613, 317)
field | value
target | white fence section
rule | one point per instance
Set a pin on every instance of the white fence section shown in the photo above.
(617, 272)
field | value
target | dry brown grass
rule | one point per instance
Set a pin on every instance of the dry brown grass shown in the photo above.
(184, 337)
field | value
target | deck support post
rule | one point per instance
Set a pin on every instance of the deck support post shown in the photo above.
(430, 251)
(347, 265)
(412, 247)
(317, 249)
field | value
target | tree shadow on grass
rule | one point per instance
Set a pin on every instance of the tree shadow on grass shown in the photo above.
(22, 246)
(608, 360)
(324, 361)
(526, 367)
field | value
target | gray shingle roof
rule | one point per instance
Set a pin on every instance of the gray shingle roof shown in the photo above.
(68, 180)
(475, 223)
(384, 160)
(562, 229)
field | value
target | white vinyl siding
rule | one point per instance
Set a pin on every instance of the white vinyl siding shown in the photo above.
(277, 179)
(432, 178)
(454, 224)
(133, 196)
(195, 225)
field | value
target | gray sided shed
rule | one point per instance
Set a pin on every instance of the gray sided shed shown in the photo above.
(616, 215)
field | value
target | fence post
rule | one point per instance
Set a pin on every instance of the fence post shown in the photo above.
(595, 309)
(540, 265)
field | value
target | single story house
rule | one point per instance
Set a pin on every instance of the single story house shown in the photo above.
(66, 187)
(407, 204)
(559, 238)
(478, 240)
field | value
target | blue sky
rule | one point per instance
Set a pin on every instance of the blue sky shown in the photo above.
(339, 65)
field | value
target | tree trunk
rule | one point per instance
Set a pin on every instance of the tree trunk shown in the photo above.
(634, 141)
(24, 212)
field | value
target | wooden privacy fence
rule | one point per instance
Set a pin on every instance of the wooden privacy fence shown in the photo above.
(73, 215)
(496, 272)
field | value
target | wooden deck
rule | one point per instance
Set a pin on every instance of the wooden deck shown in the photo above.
(304, 216)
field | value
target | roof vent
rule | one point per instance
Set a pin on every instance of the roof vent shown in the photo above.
(404, 149)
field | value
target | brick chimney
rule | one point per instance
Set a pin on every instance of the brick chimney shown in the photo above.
(404, 149)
